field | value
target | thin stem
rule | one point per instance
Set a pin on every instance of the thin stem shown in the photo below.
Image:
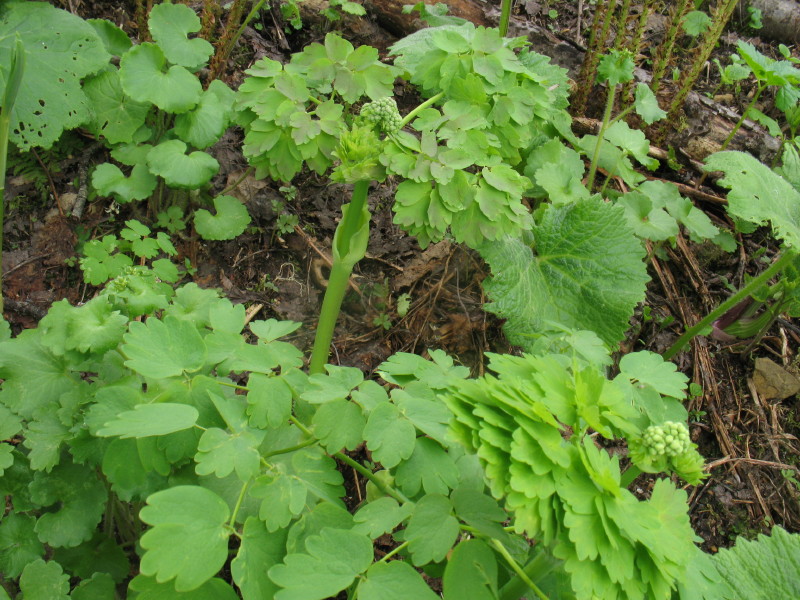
(240, 31)
(761, 88)
(410, 116)
(748, 290)
(517, 569)
(388, 490)
(338, 279)
(505, 17)
(603, 126)
(537, 568)
(295, 448)
(394, 551)
(239, 500)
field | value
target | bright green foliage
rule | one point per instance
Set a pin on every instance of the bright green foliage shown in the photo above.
(334, 558)
(696, 22)
(566, 491)
(60, 49)
(147, 588)
(585, 271)
(616, 67)
(646, 104)
(230, 221)
(432, 529)
(461, 577)
(146, 78)
(189, 540)
(670, 439)
(179, 169)
(759, 195)
(393, 580)
(170, 25)
(19, 544)
(147, 420)
(115, 116)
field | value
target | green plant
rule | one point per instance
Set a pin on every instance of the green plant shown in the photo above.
(758, 195)
(457, 175)
(158, 119)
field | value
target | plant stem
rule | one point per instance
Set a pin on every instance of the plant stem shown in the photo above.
(629, 475)
(239, 500)
(761, 88)
(505, 17)
(388, 490)
(603, 126)
(757, 282)
(410, 116)
(338, 279)
(514, 593)
(537, 568)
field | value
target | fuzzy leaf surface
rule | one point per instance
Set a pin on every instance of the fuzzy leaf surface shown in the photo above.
(584, 271)
(759, 195)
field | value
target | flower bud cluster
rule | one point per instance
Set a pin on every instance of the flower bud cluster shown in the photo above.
(669, 439)
(382, 114)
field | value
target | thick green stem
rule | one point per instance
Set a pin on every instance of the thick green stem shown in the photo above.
(515, 592)
(757, 282)
(410, 116)
(505, 17)
(603, 126)
(629, 475)
(343, 262)
(537, 568)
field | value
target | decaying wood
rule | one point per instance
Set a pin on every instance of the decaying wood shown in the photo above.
(389, 14)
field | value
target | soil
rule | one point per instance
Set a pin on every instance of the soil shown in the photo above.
(749, 436)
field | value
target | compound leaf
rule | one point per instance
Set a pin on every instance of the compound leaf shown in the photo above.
(429, 467)
(189, 538)
(339, 424)
(432, 529)
(269, 401)
(60, 49)
(335, 557)
(283, 497)
(220, 452)
(585, 271)
(167, 348)
(231, 219)
(390, 437)
(258, 552)
(170, 25)
(148, 588)
(471, 572)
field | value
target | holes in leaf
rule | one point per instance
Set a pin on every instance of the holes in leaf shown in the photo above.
(41, 102)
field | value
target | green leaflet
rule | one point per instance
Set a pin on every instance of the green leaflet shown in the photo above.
(432, 529)
(260, 550)
(394, 580)
(188, 541)
(115, 116)
(758, 195)
(19, 544)
(471, 572)
(165, 348)
(146, 78)
(335, 557)
(584, 271)
(60, 49)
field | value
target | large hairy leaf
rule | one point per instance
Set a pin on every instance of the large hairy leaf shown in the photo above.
(758, 194)
(60, 49)
(583, 271)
